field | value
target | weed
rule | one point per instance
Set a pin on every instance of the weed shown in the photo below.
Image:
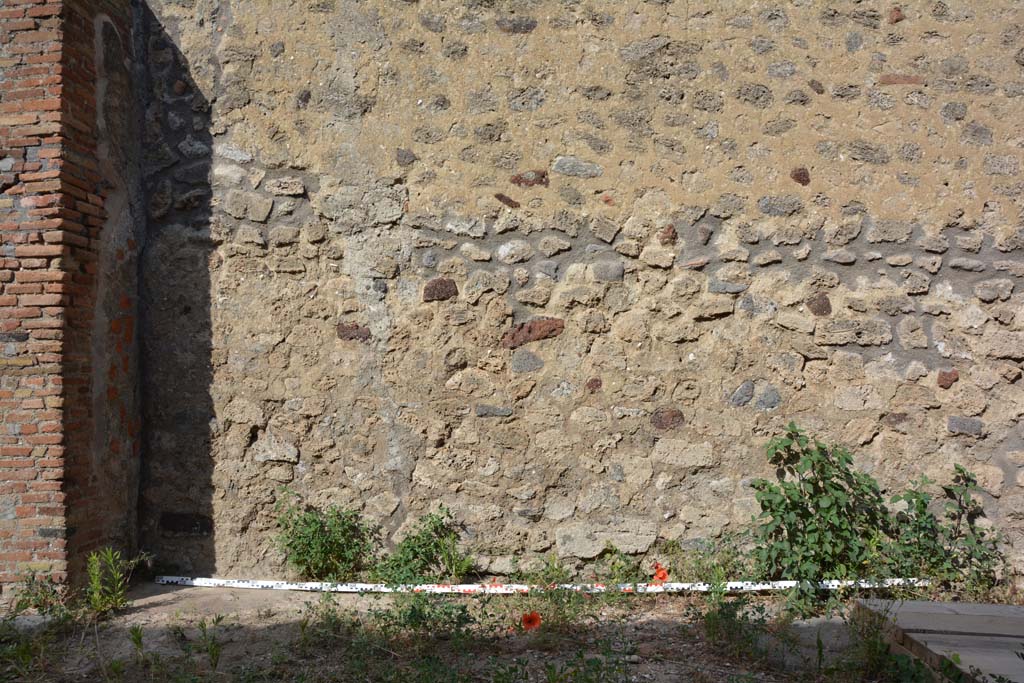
(423, 614)
(735, 626)
(430, 553)
(46, 597)
(326, 620)
(823, 519)
(209, 642)
(327, 545)
(706, 559)
(558, 609)
(608, 668)
(974, 552)
(21, 654)
(956, 549)
(616, 567)
(109, 574)
(869, 657)
(135, 635)
(114, 670)
(514, 672)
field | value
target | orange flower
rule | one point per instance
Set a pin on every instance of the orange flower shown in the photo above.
(660, 573)
(531, 621)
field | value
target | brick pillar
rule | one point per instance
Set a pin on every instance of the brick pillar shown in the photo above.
(52, 215)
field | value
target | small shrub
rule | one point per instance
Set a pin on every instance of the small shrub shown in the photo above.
(954, 549)
(324, 545)
(917, 547)
(429, 554)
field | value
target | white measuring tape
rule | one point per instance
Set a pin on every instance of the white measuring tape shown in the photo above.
(512, 588)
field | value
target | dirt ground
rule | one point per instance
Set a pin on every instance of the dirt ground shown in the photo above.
(264, 635)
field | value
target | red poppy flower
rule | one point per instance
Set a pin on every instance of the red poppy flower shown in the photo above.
(531, 621)
(660, 573)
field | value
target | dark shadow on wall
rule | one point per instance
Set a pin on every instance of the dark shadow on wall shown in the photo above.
(100, 374)
(175, 524)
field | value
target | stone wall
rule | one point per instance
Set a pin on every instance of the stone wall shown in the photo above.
(562, 266)
(565, 266)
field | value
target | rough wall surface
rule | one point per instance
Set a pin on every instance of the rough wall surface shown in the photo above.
(66, 386)
(565, 266)
(103, 423)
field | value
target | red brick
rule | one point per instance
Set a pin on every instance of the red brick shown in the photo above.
(42, 276)
(41, 300)
(23, 25)
(34, 288)
(40, 250)
(21, 312)
(25, 94)
(45, 439)
(50, 10)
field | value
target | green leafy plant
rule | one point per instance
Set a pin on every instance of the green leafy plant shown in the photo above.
(735, 626)
(324, 620)
(869, 657)
(429, 553)
(973, 551)
(423, 614)
(705, 559)
(917, 547)
(326, 545)
(558, 609)
(609, 668)
(955, 548)
(616, 567)
(22, 654)
(109, 574)
(45, 596)
(135, 636)
(209, 642)
(822, 519)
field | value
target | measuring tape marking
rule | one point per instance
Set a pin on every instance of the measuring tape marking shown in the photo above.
(514, 588)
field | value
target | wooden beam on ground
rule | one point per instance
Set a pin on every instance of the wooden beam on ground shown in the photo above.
(983, 637)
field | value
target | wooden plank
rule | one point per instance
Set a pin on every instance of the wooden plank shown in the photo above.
(983, 636)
